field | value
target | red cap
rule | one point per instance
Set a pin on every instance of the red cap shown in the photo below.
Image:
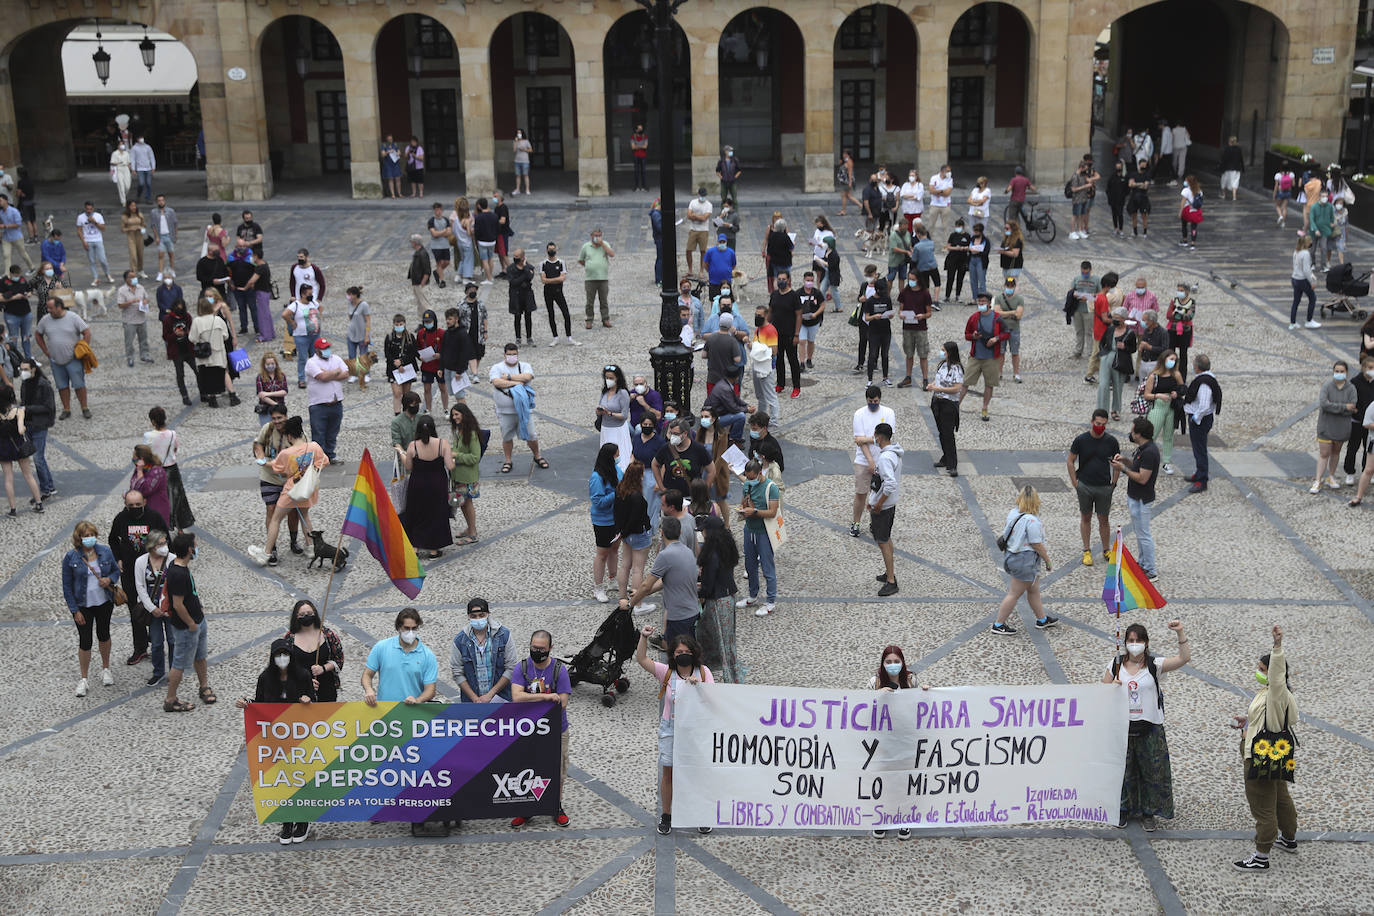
(321, 343)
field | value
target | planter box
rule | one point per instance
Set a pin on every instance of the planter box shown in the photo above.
(1277, 162)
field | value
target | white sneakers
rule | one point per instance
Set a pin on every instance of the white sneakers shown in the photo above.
(600, 595)
(1073, 235)
(1312, 325)
(106, 677)
(746, 602)
(1293, 326)
(1349, 480)
(81, 687)
(1168, 468)
(1332, 483)
(574, 342)
(646, 607)
(554, 342)
(765, 610)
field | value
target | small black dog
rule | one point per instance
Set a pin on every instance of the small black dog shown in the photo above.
(325, 551)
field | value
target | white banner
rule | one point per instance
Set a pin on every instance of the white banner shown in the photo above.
(785, 758)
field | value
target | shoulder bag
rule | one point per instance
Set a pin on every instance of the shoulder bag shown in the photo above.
(1002, 541)
(1271, 754)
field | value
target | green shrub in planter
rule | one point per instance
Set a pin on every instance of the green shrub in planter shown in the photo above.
(1284, 149)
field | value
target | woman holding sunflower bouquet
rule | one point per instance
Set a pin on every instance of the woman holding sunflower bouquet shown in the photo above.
(1267, 748)
(1147, 789)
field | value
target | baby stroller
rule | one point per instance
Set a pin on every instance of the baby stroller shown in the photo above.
(603, 661)
(1348, 288)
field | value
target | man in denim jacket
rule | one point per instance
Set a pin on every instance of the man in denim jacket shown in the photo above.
(478, 660)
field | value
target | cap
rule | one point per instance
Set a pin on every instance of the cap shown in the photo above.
(478, 604)
(722, 238)
(321, 343)
(727, 320)
(702, 190)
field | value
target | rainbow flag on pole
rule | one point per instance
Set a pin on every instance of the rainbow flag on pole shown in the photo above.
(1127, 588)
(372, 520)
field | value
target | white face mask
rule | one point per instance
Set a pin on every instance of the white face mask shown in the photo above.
(25, 376)
(167, 281)
(282, 661)
(610, 383)
(161, 550)
(675, 440)
(408, 636)
(1135, 648)
(640, 389)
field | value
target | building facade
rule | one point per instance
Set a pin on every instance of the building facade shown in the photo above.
(297, 88)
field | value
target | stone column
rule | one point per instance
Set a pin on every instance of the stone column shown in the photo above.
(1058, 95)
(34, 117)
(932, 95)
(479, 144)
(233, 111)
(818, 164)
(703, 47)
(364, 133)
(593, 175)
(1314, 96)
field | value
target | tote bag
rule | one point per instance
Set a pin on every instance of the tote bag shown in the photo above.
(302, 490)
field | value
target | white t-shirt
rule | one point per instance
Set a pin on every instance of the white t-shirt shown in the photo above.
(1369, 421)
(865, 421)
(319, 391)
(699, 215)
(1187, 194)
(88, 223)
(164, 443)
(818, 247)
(979, 206)
(1142, 693)
(940, 189)
(300, 311)
(911, 194)
(504, 402)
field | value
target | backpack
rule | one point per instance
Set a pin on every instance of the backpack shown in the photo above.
(889, 200)
(1285, 181)
(1068, 189)
(526, 665)
(1154, 673)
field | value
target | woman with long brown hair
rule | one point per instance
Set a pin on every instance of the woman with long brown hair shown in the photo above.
(684, 672)
(465, 444)
(461, 218)
(1190, 211)
(150, 479)
(132, 222)
(632, 523)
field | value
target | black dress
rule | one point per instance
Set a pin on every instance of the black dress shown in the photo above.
(425, 518)
(13, 446)
(304, 660)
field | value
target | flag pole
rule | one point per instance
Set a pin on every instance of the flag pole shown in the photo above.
(1118, 588)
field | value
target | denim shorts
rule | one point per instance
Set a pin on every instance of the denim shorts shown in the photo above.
(522, 168)
(188, 647)
(165, 243)
(808, 332)
(486, 250)
(640, 541)
(68, 375)
(1081, 207)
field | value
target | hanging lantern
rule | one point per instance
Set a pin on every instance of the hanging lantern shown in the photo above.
(101, 58)
(148, 50)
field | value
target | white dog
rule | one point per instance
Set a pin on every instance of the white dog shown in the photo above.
(87, 300)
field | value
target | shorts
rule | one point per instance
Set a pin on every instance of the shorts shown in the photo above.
(501, 244)
(696, 239)
(522, 168)
(29, 212)
(188, 647)
(510, 427)
(464, 491)
(605, 535)
(665, 746)
(915, 343)
(1138, 205)
(808, 332)
(1283, 195)
(485, 250)
(1094, 499)
(989, 370)
(863, 477)
(880, 524)
(429, 378)
(1014, 341)
(1081, 207)
(441, 255)
(1022, 565)
(165, 243)
(68, 375)
(1322, 441)
(640, 541)
(270, 492)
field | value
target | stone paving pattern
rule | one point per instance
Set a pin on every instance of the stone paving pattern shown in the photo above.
(122, 809)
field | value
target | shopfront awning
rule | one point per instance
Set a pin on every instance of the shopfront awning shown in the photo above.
(172, 77)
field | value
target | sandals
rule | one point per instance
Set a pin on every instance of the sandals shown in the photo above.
(544, 465)
(207, 696)
(1354, 502)
(465, 540)
(434, 554)
(178, 706)
(505, 468)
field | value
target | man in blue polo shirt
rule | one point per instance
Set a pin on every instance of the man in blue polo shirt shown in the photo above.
(720, 264)
(401, 669)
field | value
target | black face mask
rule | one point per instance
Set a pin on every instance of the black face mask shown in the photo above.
(759, 321)
(873, 184)
(135, 511)
(551, 253)
(647, 430)
(685, 660)
(307, 620)
(300, 261)
(538, 656)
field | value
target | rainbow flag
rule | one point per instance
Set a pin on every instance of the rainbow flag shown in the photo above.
(1127, 588)
(372, 520)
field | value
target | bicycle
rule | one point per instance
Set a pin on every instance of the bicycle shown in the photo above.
(1036, 215)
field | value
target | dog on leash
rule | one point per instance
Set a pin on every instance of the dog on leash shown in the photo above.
(88, 300)
(323, 551)
(359, 367)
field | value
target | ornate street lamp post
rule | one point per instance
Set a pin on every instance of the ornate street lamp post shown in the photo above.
(671, 360)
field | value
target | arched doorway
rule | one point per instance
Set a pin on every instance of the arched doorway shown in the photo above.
(1234, 89)
(68, 117)
(875, 85)
(989, 58)
(632, 91)
(762, 61)
(418, 89)
(306, 103)
(533, 89)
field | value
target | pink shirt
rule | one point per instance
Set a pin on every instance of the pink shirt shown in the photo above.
(661, 670)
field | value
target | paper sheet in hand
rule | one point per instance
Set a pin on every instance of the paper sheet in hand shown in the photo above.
(735, 458)
(460, 381)
(403, 375)
(427, 355)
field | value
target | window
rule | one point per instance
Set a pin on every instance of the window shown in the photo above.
(541, 35)
(859, 30)
(971, 31)
(433, 39)
(322, 43)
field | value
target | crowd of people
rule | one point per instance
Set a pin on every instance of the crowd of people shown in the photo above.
(664, 480)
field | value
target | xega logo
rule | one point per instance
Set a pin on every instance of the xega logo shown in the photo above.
(520, 786)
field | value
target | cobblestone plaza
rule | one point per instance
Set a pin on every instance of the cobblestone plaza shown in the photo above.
(115, 807)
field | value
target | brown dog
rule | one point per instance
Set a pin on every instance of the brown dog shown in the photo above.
(359, 367)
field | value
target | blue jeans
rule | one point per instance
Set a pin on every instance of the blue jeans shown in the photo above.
(325, 420)
(247, 300)
(1197, 435)
(736, 423)
(1145, 542)
(355, 347)
(40, 460)
(95, 254)
(658, 261)
(303, 342)
(759, 550)
(161, 633)
(977, 277)
(145, 185)
(21, 328)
